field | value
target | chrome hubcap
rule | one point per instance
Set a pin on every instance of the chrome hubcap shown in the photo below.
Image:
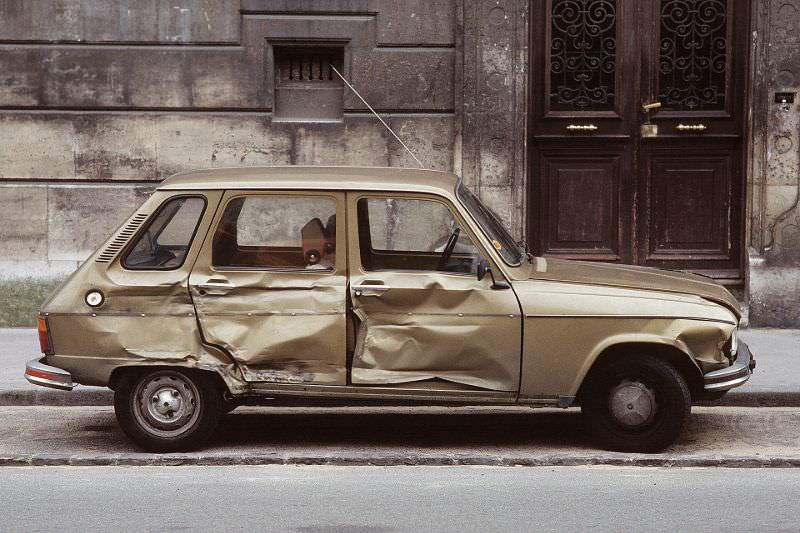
(166, 403)
(632, 403)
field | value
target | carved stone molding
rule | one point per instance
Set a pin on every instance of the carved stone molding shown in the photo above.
(773, 191)
(493, 109)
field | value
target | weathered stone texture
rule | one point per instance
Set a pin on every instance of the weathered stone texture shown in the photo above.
(23, 222)
(782, 183)
(114, 147)
(774, 274)
(430, 140)
(415, 59)
(180, 21)
(416, 22)
(103, 146)
(187, 142)
(773, 295)
(40, 148)
(784, 21)
(404, 23)
(150, 77)
(419, 80)
(81, 217)
(47, 230)
(494, 70)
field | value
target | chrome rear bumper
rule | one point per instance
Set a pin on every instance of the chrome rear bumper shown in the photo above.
(733, 376)
(39, 373)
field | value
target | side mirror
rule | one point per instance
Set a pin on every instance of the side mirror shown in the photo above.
(483, 268)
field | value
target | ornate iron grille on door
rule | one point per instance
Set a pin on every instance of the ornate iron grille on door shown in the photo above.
(693, 55)
(583, 48)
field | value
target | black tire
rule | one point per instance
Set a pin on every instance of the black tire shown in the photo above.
(228, 407)
(191, 408)
(636, 404)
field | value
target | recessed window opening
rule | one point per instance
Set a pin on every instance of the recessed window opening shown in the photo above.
(306, 87)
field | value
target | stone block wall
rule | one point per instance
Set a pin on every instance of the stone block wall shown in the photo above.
(494, 81)
(773, 285)
(48, 229)
(101, 99)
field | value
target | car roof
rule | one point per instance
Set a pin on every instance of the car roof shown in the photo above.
(314, 177)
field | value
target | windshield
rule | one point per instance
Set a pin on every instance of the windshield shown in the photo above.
(491, 225)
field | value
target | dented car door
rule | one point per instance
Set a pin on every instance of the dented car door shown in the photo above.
(269, 285)
(421, 311)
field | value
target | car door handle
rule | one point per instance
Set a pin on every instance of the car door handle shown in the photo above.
(369, 290)
(216, 286)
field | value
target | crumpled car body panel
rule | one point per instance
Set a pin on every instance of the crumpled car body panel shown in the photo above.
(431, 326)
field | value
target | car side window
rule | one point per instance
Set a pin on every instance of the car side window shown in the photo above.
(165, 241)
(277, 232)
(410, 234)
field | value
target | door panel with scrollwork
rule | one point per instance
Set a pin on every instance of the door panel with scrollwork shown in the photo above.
(584, 54)
(581, 112)
(613, 181)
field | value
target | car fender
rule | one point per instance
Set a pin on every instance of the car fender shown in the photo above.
(560, 351)
(629, 339)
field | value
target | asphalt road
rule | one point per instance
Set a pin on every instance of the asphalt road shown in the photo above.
(387, 499)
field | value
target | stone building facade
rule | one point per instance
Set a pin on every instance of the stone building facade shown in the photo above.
(99, 100)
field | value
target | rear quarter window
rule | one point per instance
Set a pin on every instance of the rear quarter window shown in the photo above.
(165, 240)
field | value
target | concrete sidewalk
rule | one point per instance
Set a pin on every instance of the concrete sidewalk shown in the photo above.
(776, 382)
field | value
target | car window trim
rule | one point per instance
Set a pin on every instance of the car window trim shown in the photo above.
(448, 204)
(459, 181)
(291, 193)
(146, 226)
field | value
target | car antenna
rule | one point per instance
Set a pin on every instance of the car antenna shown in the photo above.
(378, 117)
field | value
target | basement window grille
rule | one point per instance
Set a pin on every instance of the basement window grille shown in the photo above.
(308, 66)
(306, 87)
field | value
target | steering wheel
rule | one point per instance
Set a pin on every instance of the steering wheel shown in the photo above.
(448, 249)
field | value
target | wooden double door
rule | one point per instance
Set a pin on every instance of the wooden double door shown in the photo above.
(604, 185)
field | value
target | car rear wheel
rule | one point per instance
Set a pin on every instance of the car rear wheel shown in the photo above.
(635, 404)
(168, 410)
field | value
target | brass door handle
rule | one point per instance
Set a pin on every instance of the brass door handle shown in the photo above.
(691, 127)
(581, 127)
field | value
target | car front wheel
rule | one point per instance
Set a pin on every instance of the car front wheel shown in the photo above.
(635, 404)
(168, 410)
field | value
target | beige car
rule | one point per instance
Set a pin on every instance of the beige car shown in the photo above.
(251, 285)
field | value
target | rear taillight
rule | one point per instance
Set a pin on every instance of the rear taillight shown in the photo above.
(44, 335)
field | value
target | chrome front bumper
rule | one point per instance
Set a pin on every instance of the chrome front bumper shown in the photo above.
(39, 373)
(733, 376)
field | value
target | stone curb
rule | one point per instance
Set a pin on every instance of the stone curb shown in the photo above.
(144, 459)
(43, 396)
(101, 397)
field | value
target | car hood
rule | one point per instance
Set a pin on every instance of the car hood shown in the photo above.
(633, 277)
